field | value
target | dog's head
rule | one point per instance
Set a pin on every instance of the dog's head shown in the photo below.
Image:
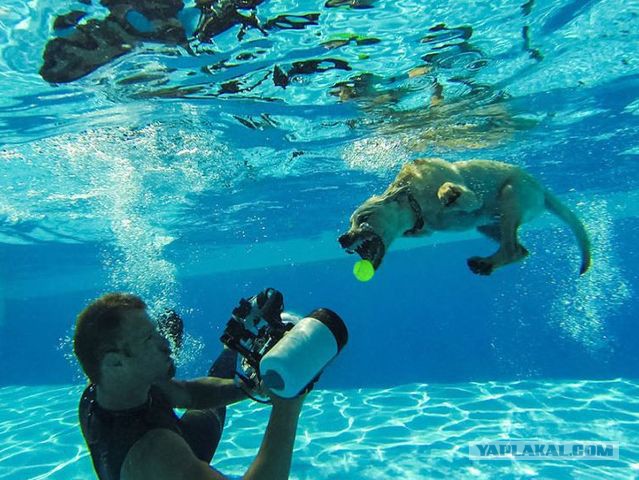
(375, 224)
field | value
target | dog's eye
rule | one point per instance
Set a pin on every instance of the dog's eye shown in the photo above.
(363, 219)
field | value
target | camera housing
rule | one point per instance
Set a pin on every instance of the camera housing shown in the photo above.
(285, 356)
(254, 328)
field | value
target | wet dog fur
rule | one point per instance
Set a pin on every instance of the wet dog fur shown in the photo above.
(431, 195)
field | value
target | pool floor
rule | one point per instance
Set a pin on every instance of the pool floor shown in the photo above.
(417, 431)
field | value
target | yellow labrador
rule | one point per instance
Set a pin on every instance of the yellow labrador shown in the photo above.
(431, 195)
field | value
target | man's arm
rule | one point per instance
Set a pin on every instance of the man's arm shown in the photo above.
(163, 455)
(273, 461)
(201, 393)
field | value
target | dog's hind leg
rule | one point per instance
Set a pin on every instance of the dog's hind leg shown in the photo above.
(492, 231)
(510, 250)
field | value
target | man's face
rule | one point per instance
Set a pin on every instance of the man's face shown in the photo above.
(147, 355)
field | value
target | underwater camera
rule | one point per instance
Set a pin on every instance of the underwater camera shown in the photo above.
(284, 352)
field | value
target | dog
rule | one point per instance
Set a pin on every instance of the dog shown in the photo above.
(431, 195)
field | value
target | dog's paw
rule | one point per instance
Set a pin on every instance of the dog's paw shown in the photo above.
(480, 266)
(448, 193)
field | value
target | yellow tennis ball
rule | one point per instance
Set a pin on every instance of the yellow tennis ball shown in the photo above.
(363, 270)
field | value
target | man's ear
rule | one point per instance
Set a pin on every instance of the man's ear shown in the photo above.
(112, 360)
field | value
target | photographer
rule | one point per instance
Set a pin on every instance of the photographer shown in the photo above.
(126, 413)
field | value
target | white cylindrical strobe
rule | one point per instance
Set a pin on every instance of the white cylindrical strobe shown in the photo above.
(303, 353)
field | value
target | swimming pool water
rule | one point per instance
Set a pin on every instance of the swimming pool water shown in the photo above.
(411, 431)
(198, 177)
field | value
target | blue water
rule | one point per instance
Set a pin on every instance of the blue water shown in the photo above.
(411, 431)
(148, 175)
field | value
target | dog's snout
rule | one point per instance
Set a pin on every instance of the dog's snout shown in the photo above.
(344, 240)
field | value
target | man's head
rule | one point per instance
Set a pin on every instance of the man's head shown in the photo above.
(114, 335)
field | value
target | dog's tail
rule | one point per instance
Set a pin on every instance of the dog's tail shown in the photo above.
(554, 205)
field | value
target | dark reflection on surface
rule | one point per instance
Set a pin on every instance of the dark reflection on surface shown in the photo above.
(439, 101)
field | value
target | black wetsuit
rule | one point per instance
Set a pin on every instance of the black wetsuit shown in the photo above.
(110, 434)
